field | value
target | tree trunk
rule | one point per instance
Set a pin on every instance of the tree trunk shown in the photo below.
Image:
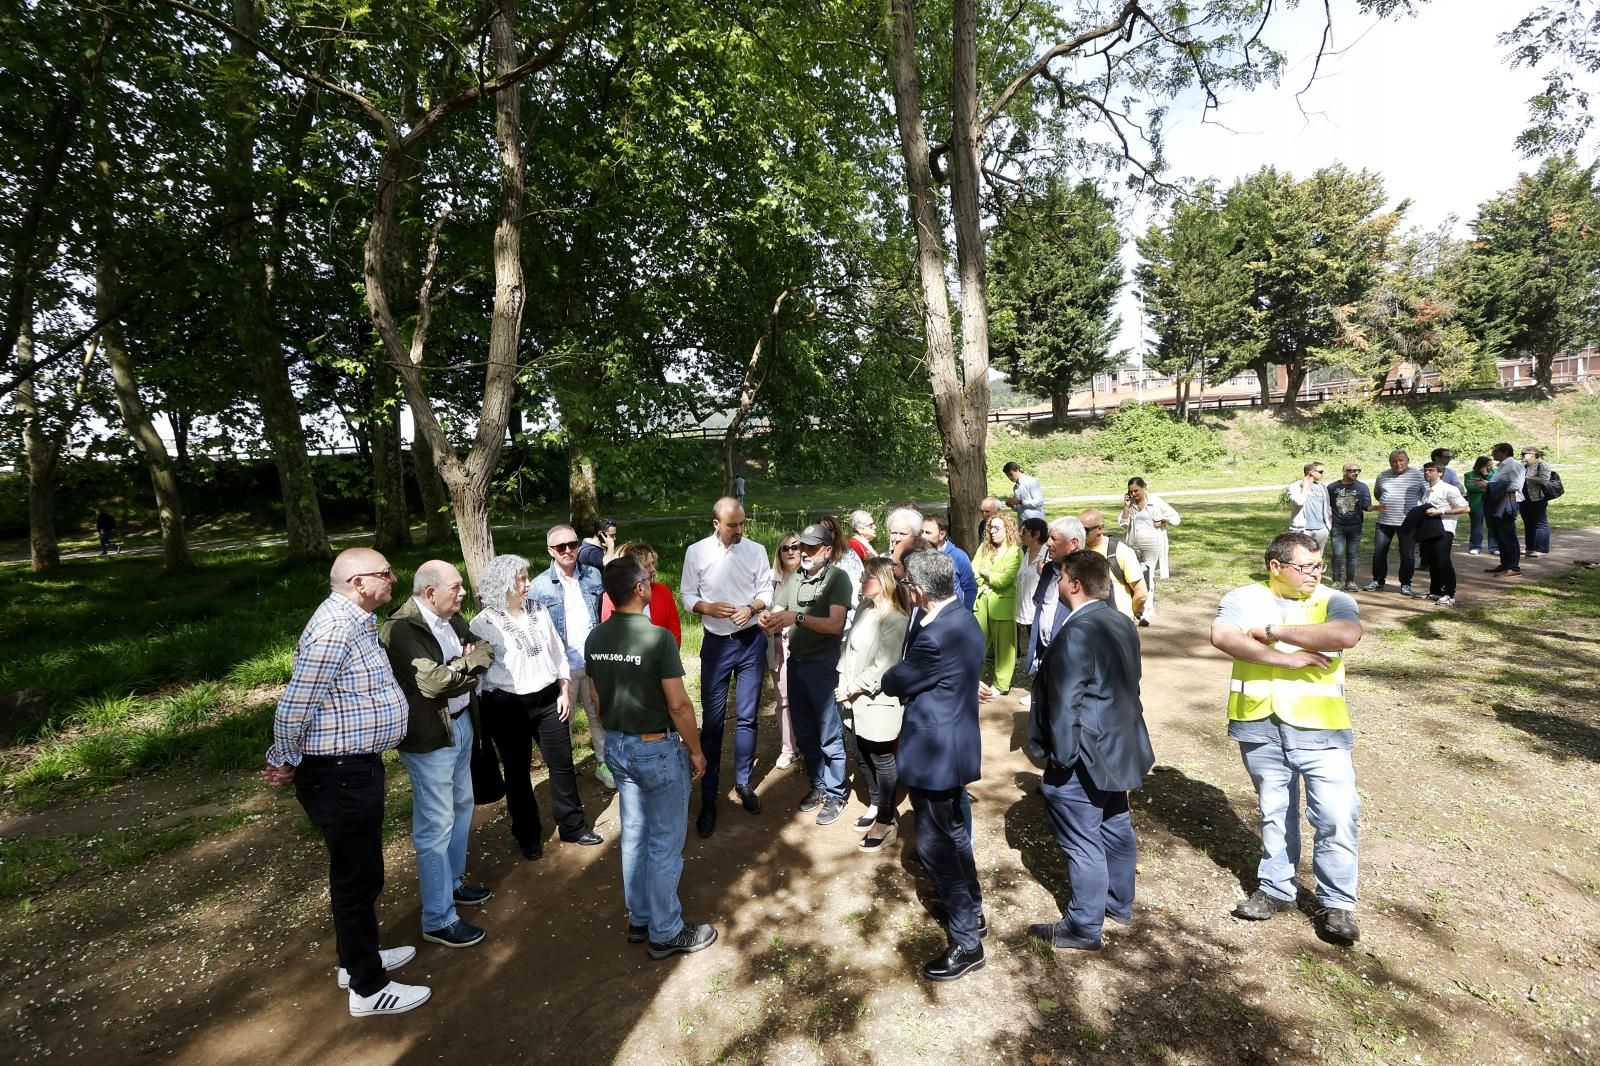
(44, 550)
(257, 331)
(583, 495)
(968, 481)
(391, 520)
(1181, 393)
(1264, 381)
(435, 500)
(1294, 377)
(1544, 371)
(1060, 406)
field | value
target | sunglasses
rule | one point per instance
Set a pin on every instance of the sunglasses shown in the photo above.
(789, 548)
(387, 575)
(566, 546)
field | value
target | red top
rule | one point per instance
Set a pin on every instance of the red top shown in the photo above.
(861, 548)
(663, 610)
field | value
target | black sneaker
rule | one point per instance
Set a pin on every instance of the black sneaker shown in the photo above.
(1339, 925)
(832, 807)
(456, 935)
(813, 799)
(706, 824)
(638, 934)
(472, 895)
(1260, 906)
(690, 938)
(748, 797)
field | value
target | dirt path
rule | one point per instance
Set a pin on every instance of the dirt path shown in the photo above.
(223, 952)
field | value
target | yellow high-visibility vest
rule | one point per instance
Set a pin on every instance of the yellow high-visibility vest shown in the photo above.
(1311, 697)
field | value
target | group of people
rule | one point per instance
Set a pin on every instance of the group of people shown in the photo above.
(1420, 509)
(877, 659)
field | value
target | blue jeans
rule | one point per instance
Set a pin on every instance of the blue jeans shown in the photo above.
(1536, 521)
(653, 788)
(741, 658)
(1480, 527)
(1381, 538)
(818, 725)
(441, 818)
(1332, 808)
(1344, 545)
(1095, 833)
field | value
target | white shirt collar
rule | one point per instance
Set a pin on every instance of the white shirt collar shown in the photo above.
(933, 612)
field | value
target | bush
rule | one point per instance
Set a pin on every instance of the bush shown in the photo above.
(1145, 436)
(1361, 428)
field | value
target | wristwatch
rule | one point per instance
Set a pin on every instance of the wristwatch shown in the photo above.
(1270, 637)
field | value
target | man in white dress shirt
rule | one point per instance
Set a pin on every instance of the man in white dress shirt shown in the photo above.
(1028, 500)
(727, 581)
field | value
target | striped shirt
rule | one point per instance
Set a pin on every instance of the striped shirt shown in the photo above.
(342, 698)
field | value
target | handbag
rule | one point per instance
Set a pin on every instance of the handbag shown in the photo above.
(1553, 488)
(488, 785)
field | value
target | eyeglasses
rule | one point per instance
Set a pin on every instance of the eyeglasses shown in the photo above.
(566, 546)
(1352, 470)
(1308, 569)
(1091, 529)
(789, 548)
(387, 575)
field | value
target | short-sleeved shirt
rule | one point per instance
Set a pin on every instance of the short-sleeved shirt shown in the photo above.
(627, 657)
(1350, 503)
(1398, 493)
(1342, 607)
(1128, 562)
(815, 596)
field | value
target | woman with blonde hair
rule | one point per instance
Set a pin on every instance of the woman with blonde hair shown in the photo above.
(663, 604)
(785, 557)
(995, 566)
(871, 647)
(524, 699)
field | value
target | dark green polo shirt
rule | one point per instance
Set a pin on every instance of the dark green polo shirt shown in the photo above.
(814, 596)
(628, 657)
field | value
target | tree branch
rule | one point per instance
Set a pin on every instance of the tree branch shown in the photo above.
(1120, 24)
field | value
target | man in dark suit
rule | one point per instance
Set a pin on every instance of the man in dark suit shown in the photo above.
(1088, 723)
(1065, 537)
(940, 749)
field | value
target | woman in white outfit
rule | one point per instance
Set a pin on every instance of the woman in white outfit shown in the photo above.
(1146, 518)
(872, 645)
(785, 557)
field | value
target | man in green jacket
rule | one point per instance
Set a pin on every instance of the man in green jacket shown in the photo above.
(438, 666)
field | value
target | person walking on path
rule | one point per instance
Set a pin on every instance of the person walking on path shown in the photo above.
(727, 581)
(941, 751)
(1442, 501)
(1503, 502)
(1146, 517)
(341, 711)
(999, 559)
(1395, 492)
(1349, 500)
(655, 757)
(1287, 711)
(811, 605)
(784, 561)
(1477, 486)
(872, 646)
(106, 527)
(439, 666)
(1535, 506)
(1127, 592)
(526, 699)
(1088, 728)
(1028, 499)
(1308, 502)
(571, 593)
(936, 531)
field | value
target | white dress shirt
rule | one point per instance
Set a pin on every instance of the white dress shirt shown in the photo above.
(713, 573)
(449, 647)
(576, 611)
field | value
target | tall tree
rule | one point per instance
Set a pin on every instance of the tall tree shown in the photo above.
(1560, 40)
(1057, 273)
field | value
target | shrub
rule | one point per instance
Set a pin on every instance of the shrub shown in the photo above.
(1145, 436)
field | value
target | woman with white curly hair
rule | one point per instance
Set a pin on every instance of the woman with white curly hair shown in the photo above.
(524, 698)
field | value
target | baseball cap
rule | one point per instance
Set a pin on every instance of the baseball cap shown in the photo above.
(816, 534)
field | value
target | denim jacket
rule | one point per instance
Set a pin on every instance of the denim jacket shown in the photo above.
(546, 589)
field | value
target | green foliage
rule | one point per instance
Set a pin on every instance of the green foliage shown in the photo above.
(1560, 40)
(1145, 436)
(1356, 428)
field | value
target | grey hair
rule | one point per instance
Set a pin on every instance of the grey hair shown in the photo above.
(860, 520)
(430, 575)
(907, 514)
(497, 580)
(1069, 528)
(933, 572)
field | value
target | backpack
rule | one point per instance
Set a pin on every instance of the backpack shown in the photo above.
(1553, 488)
(1117, 576)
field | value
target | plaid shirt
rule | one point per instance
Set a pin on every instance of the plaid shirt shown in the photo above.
(343, 698)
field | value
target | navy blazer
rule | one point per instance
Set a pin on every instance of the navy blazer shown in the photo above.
(937, 680)
(1091, 710)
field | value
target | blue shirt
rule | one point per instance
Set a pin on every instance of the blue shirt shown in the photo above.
(966, 580)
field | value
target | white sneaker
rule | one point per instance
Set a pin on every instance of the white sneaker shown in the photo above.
(392, 998)
(393, 959)
(1474, 551)
(1025, 699)
(1447, 601)
(784, 761)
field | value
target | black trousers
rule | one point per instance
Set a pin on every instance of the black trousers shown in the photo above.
(878, 770)
(513, 723)
(343, 797)
(1441, 568)
(1505, 536)
(944, 845)
(1381, 538)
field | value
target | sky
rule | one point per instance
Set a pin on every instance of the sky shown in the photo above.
(1427, 101)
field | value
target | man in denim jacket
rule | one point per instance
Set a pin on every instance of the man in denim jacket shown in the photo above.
(571, 593)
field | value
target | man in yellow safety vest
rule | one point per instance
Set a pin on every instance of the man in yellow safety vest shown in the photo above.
(1287, 710)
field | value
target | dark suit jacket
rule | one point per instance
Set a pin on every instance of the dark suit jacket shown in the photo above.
(1091, 710)
(937, 680)
(1049, 585)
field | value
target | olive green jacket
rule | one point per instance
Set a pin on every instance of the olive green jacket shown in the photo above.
(428, 681)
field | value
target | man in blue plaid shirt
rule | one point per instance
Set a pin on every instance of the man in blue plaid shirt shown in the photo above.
(342, 710)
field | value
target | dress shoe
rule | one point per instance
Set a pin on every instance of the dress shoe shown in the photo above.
(457, 934)
(533, 853)
(706, 824)
(1339, 925)
(1508, 573)
(954, 964)
(638, 934)
(1060, 935)
(472, 895)
(589, 839)
(1260, 906)
(748, 797)
(813, 799)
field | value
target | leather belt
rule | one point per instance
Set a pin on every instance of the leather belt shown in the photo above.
(651, 736)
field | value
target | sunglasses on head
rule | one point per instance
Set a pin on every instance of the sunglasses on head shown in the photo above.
(565, 546)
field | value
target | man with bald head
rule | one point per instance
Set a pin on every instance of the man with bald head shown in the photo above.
(438, 667)
(571, 592)
(727, 581)
(1128, 591)
(341, 711)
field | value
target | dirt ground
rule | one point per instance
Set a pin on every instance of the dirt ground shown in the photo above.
(1480, 911)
